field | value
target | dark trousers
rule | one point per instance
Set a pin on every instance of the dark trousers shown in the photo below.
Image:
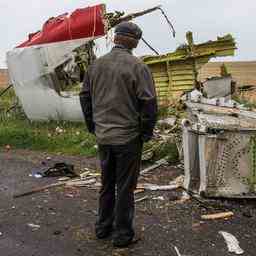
(120, 171)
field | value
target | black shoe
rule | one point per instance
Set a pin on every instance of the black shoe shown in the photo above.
(104, 233)
(122, 243)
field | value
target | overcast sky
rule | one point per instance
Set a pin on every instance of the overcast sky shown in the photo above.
(206, 18)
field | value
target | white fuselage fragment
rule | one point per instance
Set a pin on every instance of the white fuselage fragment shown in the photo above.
(32, 71)
(219, 146)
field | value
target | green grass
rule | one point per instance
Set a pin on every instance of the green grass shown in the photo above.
(23, 134)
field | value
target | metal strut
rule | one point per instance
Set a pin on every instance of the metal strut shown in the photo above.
(146, 43)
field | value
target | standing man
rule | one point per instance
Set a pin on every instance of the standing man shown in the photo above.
(120, 107)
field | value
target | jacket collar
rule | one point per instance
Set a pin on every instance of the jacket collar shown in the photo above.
(121, 47)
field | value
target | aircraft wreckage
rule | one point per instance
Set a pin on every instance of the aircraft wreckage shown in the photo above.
(47, 69)
(219, 135)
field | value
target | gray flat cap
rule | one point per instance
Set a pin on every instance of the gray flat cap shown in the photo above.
(129, 29)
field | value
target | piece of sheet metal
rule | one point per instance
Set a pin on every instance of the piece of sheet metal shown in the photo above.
(220, 154)
(218, 87)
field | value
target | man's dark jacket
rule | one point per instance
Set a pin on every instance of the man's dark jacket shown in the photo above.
(118, 98)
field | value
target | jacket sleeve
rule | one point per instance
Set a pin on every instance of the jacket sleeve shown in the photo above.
(86, 103)
(146, 95)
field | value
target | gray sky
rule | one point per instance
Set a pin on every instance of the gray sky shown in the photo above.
(206, 18)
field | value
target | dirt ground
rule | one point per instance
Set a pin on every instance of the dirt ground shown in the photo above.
(66, 217)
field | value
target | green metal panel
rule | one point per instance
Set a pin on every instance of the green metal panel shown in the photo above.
(177, 72)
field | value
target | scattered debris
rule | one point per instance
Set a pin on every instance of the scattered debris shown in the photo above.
(84, 175)
(216, 216)
(34, 227)
(61, 170)
(168, 122)
(80, 183)
(178, 252)
(177, 183)
(154, 166)
(232, 243)
(68, 183)
(57, 170)
(154, 187)
(147, 155)
(189, 194)
(40, 189)
(160, 198)
(59, 130)
(138, 191)
(64, 179)
(141, 199)
(36, 175)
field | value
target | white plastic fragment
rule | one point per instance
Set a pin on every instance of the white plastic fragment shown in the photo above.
(141, 199)
(232, 243)
(177, 251)
(160, 198)
(154, 187)
(34, 226)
